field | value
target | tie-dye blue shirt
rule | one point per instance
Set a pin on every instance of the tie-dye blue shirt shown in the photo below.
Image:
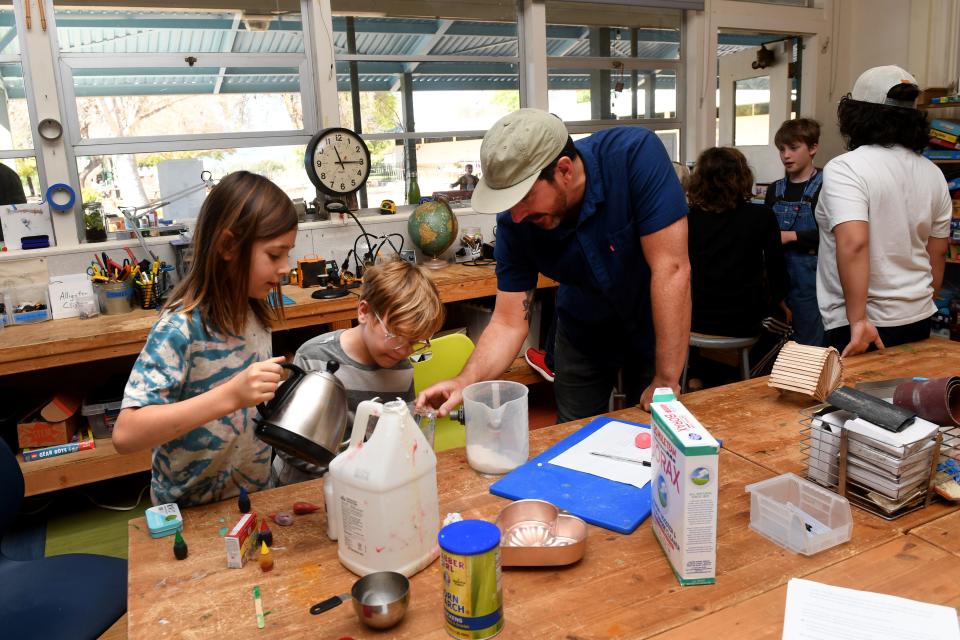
(179, 361)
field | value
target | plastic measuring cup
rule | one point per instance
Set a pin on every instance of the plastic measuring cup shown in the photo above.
(497, 424)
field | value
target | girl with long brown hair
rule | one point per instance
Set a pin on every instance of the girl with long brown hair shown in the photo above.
(208, 360)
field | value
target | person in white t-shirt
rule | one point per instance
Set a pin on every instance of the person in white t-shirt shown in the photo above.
(884, 218)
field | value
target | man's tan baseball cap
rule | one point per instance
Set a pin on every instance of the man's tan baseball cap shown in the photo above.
(512, 154)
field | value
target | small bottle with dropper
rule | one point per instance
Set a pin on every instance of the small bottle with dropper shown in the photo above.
(266, 558)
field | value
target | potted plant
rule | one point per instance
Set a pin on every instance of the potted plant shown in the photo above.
(93, 222)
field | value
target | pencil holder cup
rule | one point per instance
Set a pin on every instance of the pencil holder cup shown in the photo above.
(146, 292)
(114, 297)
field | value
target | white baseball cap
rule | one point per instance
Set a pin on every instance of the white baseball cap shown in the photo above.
(513, 153)
(874, 84)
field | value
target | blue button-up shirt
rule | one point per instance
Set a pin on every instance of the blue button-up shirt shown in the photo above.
(604, 298)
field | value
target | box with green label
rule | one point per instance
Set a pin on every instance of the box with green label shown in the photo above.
(684, 486)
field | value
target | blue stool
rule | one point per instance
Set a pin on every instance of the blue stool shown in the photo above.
(75, 595)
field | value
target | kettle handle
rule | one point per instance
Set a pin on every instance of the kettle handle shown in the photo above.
(284, 389)
(365, 410)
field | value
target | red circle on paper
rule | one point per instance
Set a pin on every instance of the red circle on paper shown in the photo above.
(642, 440)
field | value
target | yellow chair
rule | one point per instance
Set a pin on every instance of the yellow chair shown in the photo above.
(448, 354)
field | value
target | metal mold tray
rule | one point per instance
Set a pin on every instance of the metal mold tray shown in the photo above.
(535, 534)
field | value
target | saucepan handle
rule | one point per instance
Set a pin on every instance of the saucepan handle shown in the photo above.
(329, 603)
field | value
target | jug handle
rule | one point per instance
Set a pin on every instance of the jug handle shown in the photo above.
(365, 409)
(284, 389)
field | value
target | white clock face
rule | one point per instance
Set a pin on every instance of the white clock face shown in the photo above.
(338, 161)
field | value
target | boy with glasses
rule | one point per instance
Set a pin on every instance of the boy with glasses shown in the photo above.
(398, 311)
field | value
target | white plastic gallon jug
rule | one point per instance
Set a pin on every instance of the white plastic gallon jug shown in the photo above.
(381, 495)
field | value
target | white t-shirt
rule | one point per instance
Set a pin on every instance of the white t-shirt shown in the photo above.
(904, 198)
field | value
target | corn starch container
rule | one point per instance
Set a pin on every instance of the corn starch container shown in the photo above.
(472, 600)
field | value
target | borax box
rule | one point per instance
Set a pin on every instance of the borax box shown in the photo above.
(684, 485)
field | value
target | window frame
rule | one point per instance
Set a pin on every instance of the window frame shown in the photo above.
(75, 147)
(23, 59)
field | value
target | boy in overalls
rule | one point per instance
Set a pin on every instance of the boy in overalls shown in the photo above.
(793, 199)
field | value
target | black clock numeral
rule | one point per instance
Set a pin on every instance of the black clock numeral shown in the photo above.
(361, 162)
(339, 138)
(328, 140)
(358, 148)
(323, 176)
(342, 186)
(319, 164)
(353, 183)
(358, 172)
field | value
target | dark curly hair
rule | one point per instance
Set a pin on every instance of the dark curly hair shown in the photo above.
(720, 181)
(863, 123)
(568, 151)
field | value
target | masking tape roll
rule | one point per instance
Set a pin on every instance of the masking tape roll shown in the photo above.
(55, 188)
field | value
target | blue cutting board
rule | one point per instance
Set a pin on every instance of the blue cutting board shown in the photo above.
(605, 503)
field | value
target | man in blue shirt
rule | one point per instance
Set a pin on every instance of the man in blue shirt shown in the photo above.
(605, 217)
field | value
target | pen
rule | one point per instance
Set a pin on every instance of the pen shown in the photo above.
(645, 463)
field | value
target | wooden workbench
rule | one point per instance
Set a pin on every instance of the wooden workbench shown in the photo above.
(72, 341)
(623, 588)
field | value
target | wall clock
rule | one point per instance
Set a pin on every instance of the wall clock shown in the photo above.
(337, 161)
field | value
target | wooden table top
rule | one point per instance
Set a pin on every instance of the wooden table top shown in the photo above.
(623, 588)
(907, 566)
(943, 532)
(69, 341)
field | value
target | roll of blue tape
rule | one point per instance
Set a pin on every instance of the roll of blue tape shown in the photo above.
(56, 206)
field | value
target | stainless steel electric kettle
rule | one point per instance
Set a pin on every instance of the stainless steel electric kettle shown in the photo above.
(308, 415)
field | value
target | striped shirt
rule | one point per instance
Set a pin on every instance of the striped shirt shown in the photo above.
(361, 382)
(181, 360)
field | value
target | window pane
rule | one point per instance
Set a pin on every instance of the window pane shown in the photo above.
(426, 27)
(446, 96)
(592, 94)
(9, 43)
(150, 102)
(15, 129)
(580, 29)
(140, 30)
(26, 169)
(751, 123)
(440, 162)
(135, 179)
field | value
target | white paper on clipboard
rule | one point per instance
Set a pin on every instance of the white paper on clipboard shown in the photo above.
(615, 439)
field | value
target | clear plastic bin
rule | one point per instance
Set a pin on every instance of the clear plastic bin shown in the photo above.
(798, 514)
(101, 417)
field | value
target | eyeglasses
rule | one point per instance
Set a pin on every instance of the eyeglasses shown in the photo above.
(398, 343)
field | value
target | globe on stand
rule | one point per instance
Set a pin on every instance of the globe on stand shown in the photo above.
(433, 228)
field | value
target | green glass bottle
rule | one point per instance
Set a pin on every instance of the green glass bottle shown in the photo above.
(413, 193)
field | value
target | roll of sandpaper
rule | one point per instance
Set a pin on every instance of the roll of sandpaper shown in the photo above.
(935, 400)
(874, 410)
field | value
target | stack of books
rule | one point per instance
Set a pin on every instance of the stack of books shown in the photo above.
(944, 140)
(81, 441)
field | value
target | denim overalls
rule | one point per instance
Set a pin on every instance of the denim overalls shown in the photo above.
(802, 266)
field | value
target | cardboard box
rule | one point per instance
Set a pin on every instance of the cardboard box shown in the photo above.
(241, 541)
(684, 486)
(52, 424)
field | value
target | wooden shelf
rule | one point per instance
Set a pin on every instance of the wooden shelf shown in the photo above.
(81, 467)
(936, 161)
(72, 341)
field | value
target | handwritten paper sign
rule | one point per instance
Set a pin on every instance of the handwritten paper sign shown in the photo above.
(64, 291)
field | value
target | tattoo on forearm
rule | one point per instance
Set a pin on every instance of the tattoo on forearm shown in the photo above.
(527, 304)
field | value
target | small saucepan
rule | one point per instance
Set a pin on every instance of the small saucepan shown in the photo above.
(379, 599)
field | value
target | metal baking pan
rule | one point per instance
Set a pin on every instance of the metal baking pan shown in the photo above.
(533, 533)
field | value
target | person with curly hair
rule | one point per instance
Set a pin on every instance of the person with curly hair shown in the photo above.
(884, 219)
(738, 274)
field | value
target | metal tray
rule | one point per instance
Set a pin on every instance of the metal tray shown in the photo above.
(535, 534)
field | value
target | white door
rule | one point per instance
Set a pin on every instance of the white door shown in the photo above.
(753, 103)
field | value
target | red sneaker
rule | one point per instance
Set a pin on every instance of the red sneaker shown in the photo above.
(538, 360)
